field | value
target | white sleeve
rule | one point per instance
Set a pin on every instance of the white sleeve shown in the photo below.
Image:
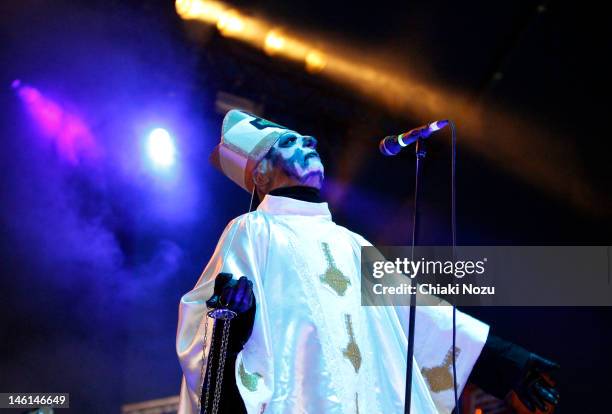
(237, 254)
(433, 341)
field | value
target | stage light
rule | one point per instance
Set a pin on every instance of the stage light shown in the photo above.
(206, 11)
(315, 61)
(274, 42)
(230, 23)
(390, 84)
(69, 132)
(160, 148)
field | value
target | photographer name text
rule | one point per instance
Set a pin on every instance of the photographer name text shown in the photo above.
(433, 289)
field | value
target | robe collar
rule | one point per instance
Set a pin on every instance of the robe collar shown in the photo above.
(289, 206)
(299, 192)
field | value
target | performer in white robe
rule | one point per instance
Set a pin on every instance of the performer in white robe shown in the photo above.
(313, 348)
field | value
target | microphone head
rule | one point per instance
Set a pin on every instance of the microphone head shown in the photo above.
(389, 146)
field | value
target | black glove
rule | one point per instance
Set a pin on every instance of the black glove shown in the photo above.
(235, 295)
(504, 367)
(535, 389)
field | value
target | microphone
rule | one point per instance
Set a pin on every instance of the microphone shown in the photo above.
(393, 144)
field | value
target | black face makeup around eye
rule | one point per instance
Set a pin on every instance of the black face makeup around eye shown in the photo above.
(287, 141)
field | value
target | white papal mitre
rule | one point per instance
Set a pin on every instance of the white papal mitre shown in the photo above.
(245, 140)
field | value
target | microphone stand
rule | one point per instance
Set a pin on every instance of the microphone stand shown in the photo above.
(420, 153)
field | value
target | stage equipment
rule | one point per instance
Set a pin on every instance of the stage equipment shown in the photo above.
(275, 42)
(69, 133)
(386, 83)
(230, 23)
(226, 101)
(315, 61)
(160, 148)
(168, 405)
(393, 144)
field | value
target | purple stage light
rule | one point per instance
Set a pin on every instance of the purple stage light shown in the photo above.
(70, 134)
(160, 148)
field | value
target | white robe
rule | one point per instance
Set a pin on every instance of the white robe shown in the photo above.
(305, 354)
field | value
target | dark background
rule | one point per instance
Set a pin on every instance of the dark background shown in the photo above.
(96, 255)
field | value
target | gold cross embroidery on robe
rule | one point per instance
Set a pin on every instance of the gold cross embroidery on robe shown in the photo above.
(351, 352)
(333, 277)
(440, 378)
(248, 380)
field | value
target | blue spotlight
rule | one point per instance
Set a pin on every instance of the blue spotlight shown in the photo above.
(160, 148)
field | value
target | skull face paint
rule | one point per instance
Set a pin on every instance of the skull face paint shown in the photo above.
(296, 156)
